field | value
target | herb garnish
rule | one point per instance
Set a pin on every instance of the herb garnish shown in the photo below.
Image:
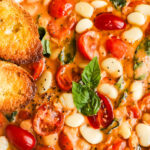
(68, 52)
(119, 4)
(11, 117)
(45, 42)
(85, 99)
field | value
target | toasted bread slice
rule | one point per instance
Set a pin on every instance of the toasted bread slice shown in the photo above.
(16, 87)
(19, 38)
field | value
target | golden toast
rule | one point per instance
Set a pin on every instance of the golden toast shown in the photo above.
(16, 87)
(19, 38)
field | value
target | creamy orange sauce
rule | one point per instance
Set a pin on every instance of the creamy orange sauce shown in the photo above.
(40, 7)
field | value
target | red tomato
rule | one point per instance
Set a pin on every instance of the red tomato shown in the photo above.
(44, 148)
(105, 115)
(119, 145)
(108, 21)
(64, 142)
(47, 120)
(60, 8)
(134, 112)
(38, 68)
(24, 115)
(65, 75)
(88, 43)
(20, 138)
(61, 28)
(94, 121)
(117, 47)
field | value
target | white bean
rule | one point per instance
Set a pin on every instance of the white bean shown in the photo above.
(74, 120)
(136, 90)
(83, 25)
(98, 3)
(45, 82)
(143, 8)
(143, 132)
(133, 34)
(67, 100)
(84, 9)
(125, 130)
(93, 136)
(4, 145)
(113, 67)
(136, 18)
(109, 90)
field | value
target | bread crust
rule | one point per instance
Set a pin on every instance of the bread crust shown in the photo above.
(17, 87)
(19, 38)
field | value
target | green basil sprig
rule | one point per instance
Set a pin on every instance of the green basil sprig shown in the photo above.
(119, 4)
(45, 42)
(85, 99)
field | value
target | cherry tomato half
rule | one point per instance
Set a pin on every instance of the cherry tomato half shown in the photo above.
(20, 138)
(60, 8)
(105, 115)
(38, 68)
(117, 47)
(88, 43)
(61, 28)
(65, 75)
(108, 21)
(24, 115)
(47, 120)
(64, 142)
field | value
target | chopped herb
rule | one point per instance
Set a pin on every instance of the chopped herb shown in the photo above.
(142, 77)
(118, 4)
(137, 64)
(115, 123)
(11, 117)
(120, 83)
(68, 52)
(37, 18)
(46, 48)
(147, 46)
(85, 99)
(91, 74)
(121, 99)
(42, 32)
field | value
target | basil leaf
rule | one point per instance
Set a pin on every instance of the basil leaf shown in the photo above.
(11, 117)
(120, 83)
(42, 32)
(80, 95)
(68, 52)
(85, 100)
(91, 74)
(93, 105)
(118, 4)
(46, 48)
